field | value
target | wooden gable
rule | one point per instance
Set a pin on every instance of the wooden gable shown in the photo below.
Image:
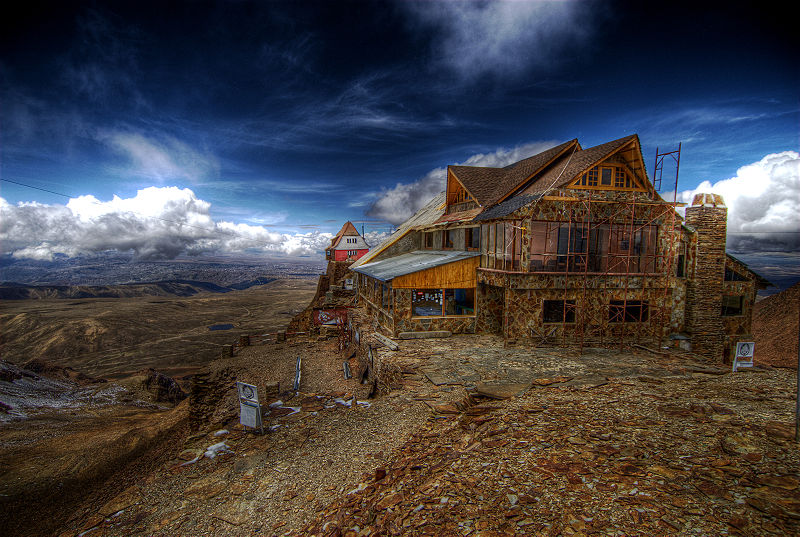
(458, 198)
(621, 170)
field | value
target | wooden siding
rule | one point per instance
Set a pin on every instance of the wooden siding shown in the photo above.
(455, 275)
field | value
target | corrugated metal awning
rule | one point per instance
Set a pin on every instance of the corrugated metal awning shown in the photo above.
(403, 264)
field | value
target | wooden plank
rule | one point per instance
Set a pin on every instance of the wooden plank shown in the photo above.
(425, 335)
(386, 341)
(455, 275)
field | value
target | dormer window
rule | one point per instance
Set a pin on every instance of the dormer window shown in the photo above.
(607, 177)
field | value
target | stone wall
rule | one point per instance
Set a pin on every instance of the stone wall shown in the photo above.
(519, 310)
(708, 217)
(489, 308)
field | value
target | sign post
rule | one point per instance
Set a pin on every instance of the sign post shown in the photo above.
(249, 407)
(744, 355)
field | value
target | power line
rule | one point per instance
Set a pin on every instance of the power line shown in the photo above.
(134, 212)
(224, 232)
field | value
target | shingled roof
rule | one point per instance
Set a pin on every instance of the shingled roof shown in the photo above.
(347, 229)
(490, 185)
(563, 173)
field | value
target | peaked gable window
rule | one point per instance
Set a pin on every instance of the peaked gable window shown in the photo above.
(607, 176)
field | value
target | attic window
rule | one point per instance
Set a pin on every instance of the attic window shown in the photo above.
(607, 177)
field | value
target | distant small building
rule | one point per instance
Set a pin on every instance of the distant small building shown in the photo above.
(347, 245)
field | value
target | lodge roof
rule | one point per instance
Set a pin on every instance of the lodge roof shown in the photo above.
(571, 166)
(387, 269)
(428, 214)
(507, 207)
(490, 185)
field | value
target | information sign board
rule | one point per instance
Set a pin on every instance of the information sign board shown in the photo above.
(744, 354)
(249, 407)
(249, 414)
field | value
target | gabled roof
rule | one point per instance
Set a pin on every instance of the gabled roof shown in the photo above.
(507, 207)
(490, 185)
(570, 167)
(762, 282)
(347, 229)
(425, 216)
(400, 265)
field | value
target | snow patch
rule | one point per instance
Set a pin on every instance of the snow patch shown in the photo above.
(216, 449)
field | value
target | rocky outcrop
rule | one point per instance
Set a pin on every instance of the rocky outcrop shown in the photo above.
(775, 327)
(210, 398)
(163, 388)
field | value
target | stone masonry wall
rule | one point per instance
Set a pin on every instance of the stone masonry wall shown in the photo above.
(704, 287)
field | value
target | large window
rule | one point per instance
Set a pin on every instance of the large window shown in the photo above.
(628, 311)
(564, 247)
(503, 245)
(442, 302)
(732, 305)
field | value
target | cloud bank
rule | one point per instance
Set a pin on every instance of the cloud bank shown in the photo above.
(763, 201)
(474, 39)
(397, 204)
(157, 223)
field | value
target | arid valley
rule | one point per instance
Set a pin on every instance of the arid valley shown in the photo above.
(468, 435)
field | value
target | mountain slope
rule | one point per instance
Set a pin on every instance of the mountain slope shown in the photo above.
(776, 323)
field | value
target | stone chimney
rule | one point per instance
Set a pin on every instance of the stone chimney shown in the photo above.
(708, 217)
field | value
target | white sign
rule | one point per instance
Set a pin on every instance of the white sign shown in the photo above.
(249, 407)
(744, 354)
(247, 392)
(249, 414)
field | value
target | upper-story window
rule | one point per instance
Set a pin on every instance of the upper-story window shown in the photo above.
(472, 238)
(608, 177)
(447, 239)
(429, 240)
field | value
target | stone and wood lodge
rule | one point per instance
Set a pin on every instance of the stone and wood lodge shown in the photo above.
(571, 246)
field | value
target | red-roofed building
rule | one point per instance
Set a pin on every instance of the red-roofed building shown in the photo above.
(347, 245)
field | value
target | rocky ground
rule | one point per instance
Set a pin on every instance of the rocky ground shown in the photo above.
(477, 438)
(778, 347)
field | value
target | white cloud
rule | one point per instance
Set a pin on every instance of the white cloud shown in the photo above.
(475, 38)
(763, 201)
(157, 223)
(165, 160)
(397, 204)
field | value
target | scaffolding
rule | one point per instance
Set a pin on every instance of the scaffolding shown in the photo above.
(622, 247)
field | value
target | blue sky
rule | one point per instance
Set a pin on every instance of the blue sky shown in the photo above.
(284, 119)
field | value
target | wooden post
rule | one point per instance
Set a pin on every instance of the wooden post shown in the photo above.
(797, 402)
